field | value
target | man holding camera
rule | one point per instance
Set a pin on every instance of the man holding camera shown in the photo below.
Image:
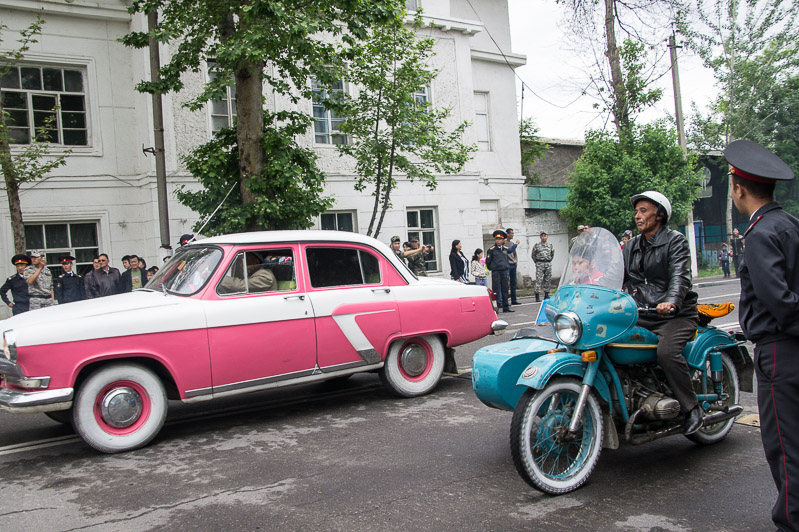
(418, 257)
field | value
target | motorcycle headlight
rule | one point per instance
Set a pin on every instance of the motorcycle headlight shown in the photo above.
(568, 327)
(10, 345)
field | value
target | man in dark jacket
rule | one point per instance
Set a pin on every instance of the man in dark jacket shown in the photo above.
(18, 286)
(104, 281)
(657, 273)
(497, 262)
(134, 277)
(768, 312)
(68, 285)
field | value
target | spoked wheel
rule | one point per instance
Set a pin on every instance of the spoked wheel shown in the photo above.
(413, 366)
(730, 387)
(545, 454)
(120, 407)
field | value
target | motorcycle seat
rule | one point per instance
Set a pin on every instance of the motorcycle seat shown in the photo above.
(709, 311)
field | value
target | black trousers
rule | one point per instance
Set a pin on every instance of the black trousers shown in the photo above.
(499, 284)
(777, 370)
(512, 279)
(673, 334)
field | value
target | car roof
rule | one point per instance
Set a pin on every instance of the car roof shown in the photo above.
(274, 237)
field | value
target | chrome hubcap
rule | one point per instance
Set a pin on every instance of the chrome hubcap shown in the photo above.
(121, 407)
(413, 360)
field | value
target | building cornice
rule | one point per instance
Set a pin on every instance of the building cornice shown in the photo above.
(447, 24)
(515, 60)
(76, 8)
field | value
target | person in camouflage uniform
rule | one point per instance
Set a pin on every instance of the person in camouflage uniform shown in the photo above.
(543, 254)
(40, 281)
(416, 261)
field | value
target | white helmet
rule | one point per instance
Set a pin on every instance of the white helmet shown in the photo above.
(655, 197)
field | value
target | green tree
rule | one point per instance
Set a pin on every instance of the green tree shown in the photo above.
(751, 49)
(29, 162)
(612, 169)
(532, 149)
(391, 131)
(281, 42)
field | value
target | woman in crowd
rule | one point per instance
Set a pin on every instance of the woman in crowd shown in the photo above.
(478, 269)
(459, 264)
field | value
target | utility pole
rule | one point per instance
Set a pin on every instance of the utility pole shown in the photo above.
(675, 76)
(158, 130)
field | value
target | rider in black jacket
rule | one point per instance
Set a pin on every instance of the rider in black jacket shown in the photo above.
(657, 273)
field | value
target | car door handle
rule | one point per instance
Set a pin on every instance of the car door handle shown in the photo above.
(301, 297)
(386, 290)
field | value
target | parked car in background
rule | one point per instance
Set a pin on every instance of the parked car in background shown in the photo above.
(235, 314)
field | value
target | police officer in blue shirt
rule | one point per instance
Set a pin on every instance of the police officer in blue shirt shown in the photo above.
(497, 261)
(768, 311)
(68, 285)
(18, 286)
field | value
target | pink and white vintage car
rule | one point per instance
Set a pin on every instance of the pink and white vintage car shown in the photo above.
(235, 314)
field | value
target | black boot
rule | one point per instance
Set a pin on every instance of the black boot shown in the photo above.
(693, 421)
(537, 297)
(546, 295)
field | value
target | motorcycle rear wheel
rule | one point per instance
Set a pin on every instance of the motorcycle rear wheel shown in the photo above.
(729, 385)
(541, 457)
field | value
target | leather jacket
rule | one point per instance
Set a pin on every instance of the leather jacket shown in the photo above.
(659, 271)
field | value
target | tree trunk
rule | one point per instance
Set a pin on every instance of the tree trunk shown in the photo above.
(249, 130)
(12, 190)
(621, 113)
(379, 173)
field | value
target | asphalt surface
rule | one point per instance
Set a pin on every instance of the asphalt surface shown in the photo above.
(349, 456)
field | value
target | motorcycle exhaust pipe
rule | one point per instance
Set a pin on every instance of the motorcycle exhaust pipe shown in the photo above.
(711, 419)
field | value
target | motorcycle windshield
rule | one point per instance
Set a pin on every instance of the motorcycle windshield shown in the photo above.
(595, 259)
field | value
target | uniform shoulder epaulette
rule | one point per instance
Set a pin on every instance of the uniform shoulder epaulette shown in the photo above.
(61, 276)
(11, 278)
(492, 247)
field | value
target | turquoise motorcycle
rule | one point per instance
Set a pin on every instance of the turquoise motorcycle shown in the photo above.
(598, 384)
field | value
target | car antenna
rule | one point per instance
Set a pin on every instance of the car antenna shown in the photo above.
(200, 230)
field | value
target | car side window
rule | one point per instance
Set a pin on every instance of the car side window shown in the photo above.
(256, 271)
(330, 266)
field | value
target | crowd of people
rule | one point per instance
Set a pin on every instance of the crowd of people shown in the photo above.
(34, 286)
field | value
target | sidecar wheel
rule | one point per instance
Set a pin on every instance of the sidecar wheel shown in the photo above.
(541, 458)
(729, 385)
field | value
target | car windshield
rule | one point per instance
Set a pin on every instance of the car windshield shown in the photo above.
(596, 259)
(187, 271)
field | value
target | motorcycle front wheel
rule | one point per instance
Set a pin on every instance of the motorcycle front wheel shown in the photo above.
(729, 385)
(544, 453)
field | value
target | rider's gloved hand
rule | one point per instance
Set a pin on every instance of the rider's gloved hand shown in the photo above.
(664, 309)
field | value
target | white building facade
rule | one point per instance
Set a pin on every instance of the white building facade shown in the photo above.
(104, 199)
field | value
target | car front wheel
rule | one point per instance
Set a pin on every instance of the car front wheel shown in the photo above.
(413, 366)
(120, 407)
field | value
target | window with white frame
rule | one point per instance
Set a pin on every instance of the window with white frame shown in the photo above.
(48, 101)
(57, 239)
(338, 221)
(422, 224)
(489, 212)
(422, 96)
(222, 111)
(482, 121)
(327, 123)
(412, 5)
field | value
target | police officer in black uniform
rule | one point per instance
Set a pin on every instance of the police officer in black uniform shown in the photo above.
(68, 285)
(18, 286)
(769, 307)
(497, 261)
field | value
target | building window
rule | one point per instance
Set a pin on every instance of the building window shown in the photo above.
(45, 100)
(482, 121)
(222, 111)
(327, 123)
(422, 224)
(412, 5)
(59, 239)
(489, 212)
(338, 221)
(422, 96)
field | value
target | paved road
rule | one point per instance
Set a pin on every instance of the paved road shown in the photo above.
(349, 456)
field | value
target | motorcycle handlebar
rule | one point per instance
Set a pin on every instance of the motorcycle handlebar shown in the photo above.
(653, 312)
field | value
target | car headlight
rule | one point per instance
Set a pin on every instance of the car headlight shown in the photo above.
(568, 327)
(10, 345)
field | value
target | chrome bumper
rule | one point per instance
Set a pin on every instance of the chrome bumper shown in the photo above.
(32, 402)
(9, 368)
(499, 326)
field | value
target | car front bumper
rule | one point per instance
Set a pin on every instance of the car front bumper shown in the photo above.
(499, 326)
(38, 401)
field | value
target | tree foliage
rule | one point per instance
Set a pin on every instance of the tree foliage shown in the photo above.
(391, 132)
(284, 43)
(532, 149)
(613, 169)
(28, 162)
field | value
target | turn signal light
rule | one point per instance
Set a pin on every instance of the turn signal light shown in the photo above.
(559, 350)
(589, 356)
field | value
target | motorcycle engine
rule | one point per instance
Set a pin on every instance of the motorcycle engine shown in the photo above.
(658, 406)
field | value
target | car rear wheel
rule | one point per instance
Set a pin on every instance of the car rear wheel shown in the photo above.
(413, 366)
(120, 407)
